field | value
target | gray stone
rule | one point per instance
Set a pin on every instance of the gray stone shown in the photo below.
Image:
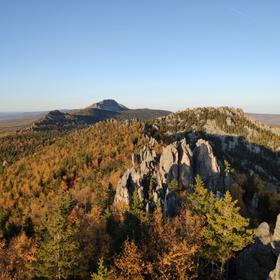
(258, 261)
(185, 165)
(206, 165)
(177, 161)
(168, 165)
(255, 262)
(276, 234)
(276, 237)
(125, 188)
(263, 233)
(147, 160)
(275, 274)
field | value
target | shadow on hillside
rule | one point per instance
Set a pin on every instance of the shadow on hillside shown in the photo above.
(243, 156)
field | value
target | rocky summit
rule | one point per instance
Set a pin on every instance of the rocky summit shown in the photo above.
(109, 105)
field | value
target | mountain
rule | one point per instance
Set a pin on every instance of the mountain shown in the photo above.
(109, 105)
(211, 138)
(106, 109)
(117, 182)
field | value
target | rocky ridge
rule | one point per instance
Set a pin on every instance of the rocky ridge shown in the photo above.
(101, 111)
(152, 173)
(251, 147)
(221, 121)
(55, 120)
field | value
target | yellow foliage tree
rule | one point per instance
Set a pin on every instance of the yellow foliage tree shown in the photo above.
(129, 263)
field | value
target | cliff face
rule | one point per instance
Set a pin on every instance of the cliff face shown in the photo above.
(152, 173)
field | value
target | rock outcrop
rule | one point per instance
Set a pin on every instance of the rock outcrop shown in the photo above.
(275, 273)
(109, 105)
(257, 260)
(261, 260)
(125, 188)
(175, 162)
(206, 165)
(168, 164)
(185, 165)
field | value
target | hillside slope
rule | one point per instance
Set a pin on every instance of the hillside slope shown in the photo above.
(249, 145)
(116, 170)
(106, 109)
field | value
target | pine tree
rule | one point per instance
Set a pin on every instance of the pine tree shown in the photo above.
(225, 231)
(58, 255)
(201, 201)
(102, 273)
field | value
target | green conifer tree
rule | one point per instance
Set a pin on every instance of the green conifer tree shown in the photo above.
(58, 255)
(102, 273)
(225, 231)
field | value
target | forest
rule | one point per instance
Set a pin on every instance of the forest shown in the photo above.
(58, 220)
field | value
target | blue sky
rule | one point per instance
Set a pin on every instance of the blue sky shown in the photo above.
(146, 53)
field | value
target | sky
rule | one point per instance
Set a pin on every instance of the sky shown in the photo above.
(168, 54)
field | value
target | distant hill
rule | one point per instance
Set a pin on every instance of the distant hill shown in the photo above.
(106, 109)
(269, 119)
